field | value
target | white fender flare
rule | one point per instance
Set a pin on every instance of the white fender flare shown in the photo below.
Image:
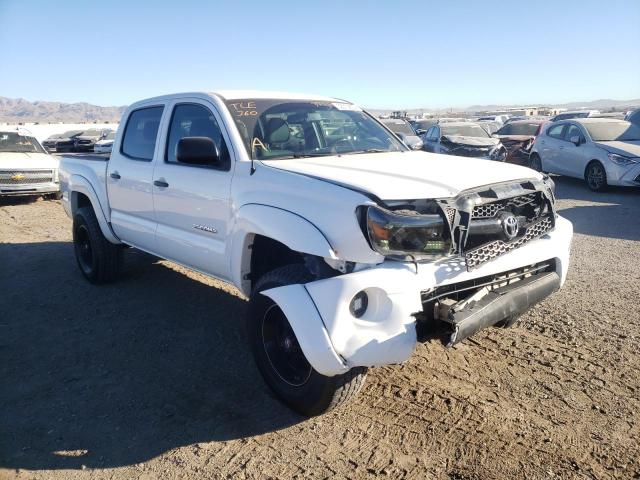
(297, 305)
(284, 226)
(79, 184)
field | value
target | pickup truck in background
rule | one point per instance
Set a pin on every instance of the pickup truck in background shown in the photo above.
(25, 166)
(350, 247)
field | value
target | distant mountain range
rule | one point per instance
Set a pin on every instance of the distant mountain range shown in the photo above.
(19, 110)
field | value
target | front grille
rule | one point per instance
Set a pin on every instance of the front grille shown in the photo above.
(25, 177)
(489, 251)
(471, 151)
(489, 210)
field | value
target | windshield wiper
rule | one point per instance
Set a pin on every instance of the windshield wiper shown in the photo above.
(307, 155)
(368, 150)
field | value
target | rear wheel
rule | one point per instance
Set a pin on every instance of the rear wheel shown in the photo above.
(596, 176)
(100, 261)
(280, 359)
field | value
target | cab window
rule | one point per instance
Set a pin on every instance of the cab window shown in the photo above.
(140, 134)
(193, 120)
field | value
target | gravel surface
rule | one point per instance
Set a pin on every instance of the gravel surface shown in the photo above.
(151, 378)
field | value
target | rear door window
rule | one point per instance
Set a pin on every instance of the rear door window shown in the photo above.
(573, 131)
(556, 131)
(141, 132)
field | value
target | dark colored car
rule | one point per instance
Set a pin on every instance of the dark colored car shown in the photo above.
(466, 139)
(518, 137)
(82, 141)
(51, 143)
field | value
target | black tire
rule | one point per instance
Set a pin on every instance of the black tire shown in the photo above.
(535, 162)
(596, 176)
(99, 260)
(286, 371)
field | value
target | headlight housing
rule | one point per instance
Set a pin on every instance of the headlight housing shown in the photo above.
(499, 153)
(621, 159)
(407, 235)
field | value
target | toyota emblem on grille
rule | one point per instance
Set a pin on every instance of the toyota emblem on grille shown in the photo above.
(510, 226)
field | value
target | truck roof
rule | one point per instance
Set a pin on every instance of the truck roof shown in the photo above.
(240, 94)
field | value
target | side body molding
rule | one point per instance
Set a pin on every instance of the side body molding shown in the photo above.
(286, 227)
(79, 184)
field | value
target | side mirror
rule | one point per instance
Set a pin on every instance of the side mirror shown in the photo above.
(575, 140)
(197, 151)
(421, 131)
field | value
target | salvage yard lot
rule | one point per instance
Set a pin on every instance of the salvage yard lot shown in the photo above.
(151, 377)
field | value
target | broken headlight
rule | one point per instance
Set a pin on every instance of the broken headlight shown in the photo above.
(406, 234)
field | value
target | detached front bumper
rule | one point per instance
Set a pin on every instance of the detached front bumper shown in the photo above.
(334, 341)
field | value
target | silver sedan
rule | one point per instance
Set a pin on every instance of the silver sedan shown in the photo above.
(601, 151)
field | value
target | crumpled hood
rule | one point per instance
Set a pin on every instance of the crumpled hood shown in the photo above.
(27, 161)
(628, 149)
(406, 175)
(472, 141)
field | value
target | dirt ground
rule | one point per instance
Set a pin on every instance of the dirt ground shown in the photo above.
(151, 378)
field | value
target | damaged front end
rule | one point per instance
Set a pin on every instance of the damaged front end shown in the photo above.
(518, 148)
(486, 224)
(498, 299)
(488, 149)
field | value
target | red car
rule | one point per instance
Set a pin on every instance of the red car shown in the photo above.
(518, 137)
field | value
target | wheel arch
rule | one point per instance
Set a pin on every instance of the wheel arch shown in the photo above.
(82, 194)
(271, 227)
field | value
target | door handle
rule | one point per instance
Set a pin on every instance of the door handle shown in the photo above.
(160, 183)
(115, 176)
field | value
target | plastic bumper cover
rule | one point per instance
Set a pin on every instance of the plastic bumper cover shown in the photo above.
(334, 340)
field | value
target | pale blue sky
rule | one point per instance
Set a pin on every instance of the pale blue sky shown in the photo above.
(378, 54)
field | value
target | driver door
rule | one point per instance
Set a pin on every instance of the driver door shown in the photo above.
(192, 202)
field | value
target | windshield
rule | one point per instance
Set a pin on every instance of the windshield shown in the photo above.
(470, 130)
(397, 126)
(91, 133)
(519, 129)
(111, 135)
(611, 131)
(14, 142)
(279, 129)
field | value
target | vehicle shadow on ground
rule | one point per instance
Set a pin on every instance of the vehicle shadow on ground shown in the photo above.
(612, 214)
(107, 376)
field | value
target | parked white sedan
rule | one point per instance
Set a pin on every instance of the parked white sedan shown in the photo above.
(105, 145)
(602, 151)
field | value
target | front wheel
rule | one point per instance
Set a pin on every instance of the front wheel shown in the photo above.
(280, 359)
(596, 176)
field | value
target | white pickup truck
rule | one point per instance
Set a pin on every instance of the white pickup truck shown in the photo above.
(25, 166)
(350, 247)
